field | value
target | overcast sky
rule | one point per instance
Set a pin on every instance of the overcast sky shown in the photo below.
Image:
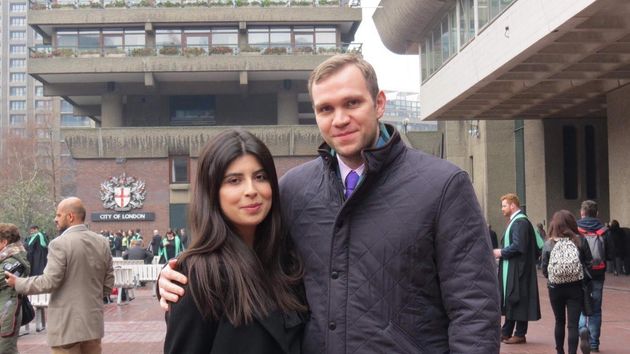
(395, 72)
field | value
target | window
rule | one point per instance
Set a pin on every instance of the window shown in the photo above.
(17, 105)
(17, 119)
(466, 21)
(17, 21)
(325, 37)
(89, 39)
(39, 91)
(569, 162)
(66, 107)
(17, 34)
(17, 63)
(21, 132)
(192, 110)
(225, 37)
(17, 91)
(17, 8)
(17, 49)
(67, 39)
(70, 120)
(42, 104)
(179, 169)
(42, 119)
(168, 38)
(17, 77)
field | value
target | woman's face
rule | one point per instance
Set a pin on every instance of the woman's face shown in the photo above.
(245, 194)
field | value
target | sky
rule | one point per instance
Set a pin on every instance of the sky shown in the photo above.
(395, 72)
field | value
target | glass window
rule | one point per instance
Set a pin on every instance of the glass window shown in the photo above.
(179, 169)
(304, 36)
(17, 105)
(168, 38)
(569, 147)
(483, 13)
(280, 37)
(325, 37)
(17, 49)
(227, 37)
(17, 63)
(466, 21)
(66, 107)
(41, 119)
(192, 110)
(15, 7)
(43, 133)
(67, 39)
(19, 132)
(17, 21)
(39, 91)
(17, 77)
(17, 91)
(18, 34)
(89, 39)
(70, 120)
(445, 39)
(134, 38)
(17, 119)
(42, 104)
(258, 37)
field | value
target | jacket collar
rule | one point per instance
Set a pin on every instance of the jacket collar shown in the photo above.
(375, 158)
(278, 323)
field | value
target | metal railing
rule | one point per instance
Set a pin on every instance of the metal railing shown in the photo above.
(104, 4)
(47, 51)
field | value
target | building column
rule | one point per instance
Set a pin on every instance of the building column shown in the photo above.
(111, 110)
(535, 171)
(618, 102)
(287, 107)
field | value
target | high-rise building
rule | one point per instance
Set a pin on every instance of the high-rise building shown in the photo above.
(159, 78)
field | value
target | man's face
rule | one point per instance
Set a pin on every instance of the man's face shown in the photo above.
(346, 114)
(62, 219)
(506, 208)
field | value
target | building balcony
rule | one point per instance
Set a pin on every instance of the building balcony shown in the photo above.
(103, 4)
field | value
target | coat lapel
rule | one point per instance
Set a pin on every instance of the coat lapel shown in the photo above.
(278, 324)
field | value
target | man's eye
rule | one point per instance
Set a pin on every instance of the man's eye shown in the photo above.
(353, 103)
(325, 109)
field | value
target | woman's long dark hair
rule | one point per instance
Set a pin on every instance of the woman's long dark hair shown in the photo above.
(564, 225)
(226, 277)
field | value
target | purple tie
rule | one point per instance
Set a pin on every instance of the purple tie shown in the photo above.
(351, 181)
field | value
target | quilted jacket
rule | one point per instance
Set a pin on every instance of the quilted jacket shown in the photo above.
(403, 266)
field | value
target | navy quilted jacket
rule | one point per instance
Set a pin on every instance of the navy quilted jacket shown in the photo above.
(403, 266)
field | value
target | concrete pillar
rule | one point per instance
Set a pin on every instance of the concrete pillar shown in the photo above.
(287, 107)
(111, 110)
(618, 146)
(535, 181)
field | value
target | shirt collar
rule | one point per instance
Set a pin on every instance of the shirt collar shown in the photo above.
(71, 228)
(514, 214)
(344, 169)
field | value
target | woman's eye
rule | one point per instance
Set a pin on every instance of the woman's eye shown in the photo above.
(261, 177)
(232, 180)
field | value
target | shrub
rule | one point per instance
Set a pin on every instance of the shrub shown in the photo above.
(167, 4)
(39, 54)
(192, 52)
(301, 2)
(221, 50)
(275, 51)
(117, 3)
(304, 50)
(169, 51)
(63, 52)
(250, 49)
(142, 52)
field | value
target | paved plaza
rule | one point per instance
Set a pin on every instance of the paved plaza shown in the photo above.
(138, 327)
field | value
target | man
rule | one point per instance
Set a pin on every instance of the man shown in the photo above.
(596, 234)
(79, 273)
(155, 242)
(517, 272)
(137, 252)
(36, 250)
(397, 256)
(494, 241)
(184, 237)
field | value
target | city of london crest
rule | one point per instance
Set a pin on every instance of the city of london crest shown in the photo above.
(122, 193)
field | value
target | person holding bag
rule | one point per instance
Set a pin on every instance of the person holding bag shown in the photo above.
(566, 258)
(12, 259)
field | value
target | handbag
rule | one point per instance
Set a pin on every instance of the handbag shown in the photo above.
(587, 303)
(28, 312)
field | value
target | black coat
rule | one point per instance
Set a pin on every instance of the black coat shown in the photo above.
(139, 254)
(520, 302)
(36, 253)
(188, 332)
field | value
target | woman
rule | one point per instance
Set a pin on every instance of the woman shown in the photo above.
(170, 247)
(242, 294)
(13, 259)
(563, 252)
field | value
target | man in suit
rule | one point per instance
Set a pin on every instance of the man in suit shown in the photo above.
(78, 274)
(517, 272)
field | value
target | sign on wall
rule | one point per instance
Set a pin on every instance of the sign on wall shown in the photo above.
(123, 193)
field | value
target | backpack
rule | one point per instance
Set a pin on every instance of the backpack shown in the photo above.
(595, 241)
(564, 263)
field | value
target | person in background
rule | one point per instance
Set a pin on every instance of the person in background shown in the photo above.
(78, 274)
(12, 257)
(125, 240)
(137, 252)
(184, 237)
(156, 240)
(37, 250)
(565, 274)
(493, 237)
(618, 247)
(170, 247)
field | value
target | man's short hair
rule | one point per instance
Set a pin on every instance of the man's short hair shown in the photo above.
(511, 198)
(338, 62)
(34, 227)
(589, 208)
(136, 243)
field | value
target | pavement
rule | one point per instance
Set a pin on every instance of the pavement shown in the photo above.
(138, 326)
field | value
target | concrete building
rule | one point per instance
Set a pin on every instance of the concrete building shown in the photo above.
(159, 78)
(532, 95)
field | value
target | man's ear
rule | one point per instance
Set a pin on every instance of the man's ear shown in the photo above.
(380, 104)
